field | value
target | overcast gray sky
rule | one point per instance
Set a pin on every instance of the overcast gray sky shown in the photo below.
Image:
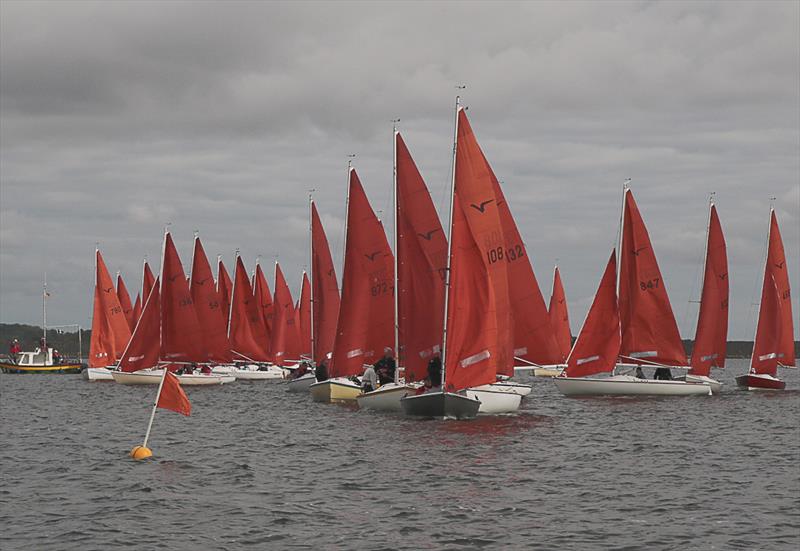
(118, 117)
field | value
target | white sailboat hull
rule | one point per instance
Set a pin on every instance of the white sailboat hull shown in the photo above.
(495, 399)
(144, 377)
(255, 374)
(301, 384)
(153, 377)
(202, 379)
(385, 398)
(97, 374)
(626, 385)
(519, 388)
(716, 386)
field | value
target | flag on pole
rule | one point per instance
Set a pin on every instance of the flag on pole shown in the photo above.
(172, 396)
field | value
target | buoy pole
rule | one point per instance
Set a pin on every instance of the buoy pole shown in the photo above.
(143, 452)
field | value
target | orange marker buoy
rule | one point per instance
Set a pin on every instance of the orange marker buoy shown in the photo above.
(141, 452)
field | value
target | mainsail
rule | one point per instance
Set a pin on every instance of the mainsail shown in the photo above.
(421, 267)
(649, 330)
(711, 337)
(774, 341)
(366, 315)
(325, 290)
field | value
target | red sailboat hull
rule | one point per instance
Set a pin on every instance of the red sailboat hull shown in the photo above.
(759, 382)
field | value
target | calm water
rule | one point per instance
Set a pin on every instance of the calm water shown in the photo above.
(256, 467)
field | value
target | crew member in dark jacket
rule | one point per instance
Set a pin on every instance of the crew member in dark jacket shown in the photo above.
(385, 367)
(322, 371)
(435, 370)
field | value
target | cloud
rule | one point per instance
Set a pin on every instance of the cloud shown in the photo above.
(117, 118)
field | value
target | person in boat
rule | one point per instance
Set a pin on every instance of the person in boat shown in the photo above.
(385, 367)
(369, 380)
(301, 370)
(205, 370)
(663, 374)
(435, 370)
(56, 357)
(639, 373)
(14, 349)
(426, 386)
(322, 371)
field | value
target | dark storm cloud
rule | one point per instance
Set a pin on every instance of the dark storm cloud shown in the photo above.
(116, 118)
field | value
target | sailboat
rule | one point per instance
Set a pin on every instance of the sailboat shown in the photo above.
(420, 262)
(478, 334)
(247, 326)
(324, 298)
(773, 345)
(168, 334)
(366, 315)
(110, 329)
(649, 334)
(711, 335)
(559, 316)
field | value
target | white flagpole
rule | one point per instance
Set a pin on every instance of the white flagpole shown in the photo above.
(155, 405)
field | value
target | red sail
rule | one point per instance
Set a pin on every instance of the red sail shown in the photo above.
(711, 337)
(224, 289)
(480, 333)
(366, 316)
(774, 342)
(597, 345)
(649, 331)
(213, 319)
(264, 305)
(325, 290)
(181, 335)
(304, 317)
(532, 333)
(246, 341)
(559, 316)
(421, 266)
(110, 329)
(144, 347)
(285, 341)
(147, 281)
(125, 302)
(137, 310)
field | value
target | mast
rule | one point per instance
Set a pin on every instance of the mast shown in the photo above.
(766, 259)
(449, 243)
(161, 291)
(44, 315)
(311, 269)
(625, 185)
(233, 290)
(396, 290)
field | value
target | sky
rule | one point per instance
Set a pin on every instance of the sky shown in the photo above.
(118, 118)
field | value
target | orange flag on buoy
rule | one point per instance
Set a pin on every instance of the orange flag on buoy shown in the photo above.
(173, 397)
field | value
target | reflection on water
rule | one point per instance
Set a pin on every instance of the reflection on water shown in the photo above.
(255, 466)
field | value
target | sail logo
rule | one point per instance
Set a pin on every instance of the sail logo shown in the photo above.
(475, 358)
(482, 207)
(427, 236)
(354, 353)
(520, 351)
(637, 251)
(372, 255)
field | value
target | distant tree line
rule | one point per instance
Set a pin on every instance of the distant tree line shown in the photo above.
(67, 342)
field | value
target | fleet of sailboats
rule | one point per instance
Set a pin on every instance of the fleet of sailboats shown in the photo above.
(457, 305)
